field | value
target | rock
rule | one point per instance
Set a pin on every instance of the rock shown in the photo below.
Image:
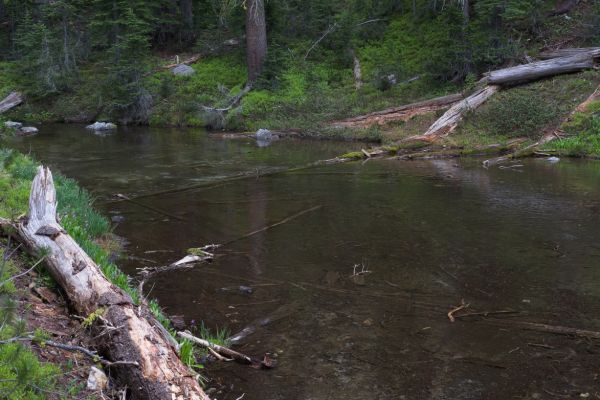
(117, 219)
(97, 380)
(553, 159)
(102, 126)
(183, 70)
(27, 131)
(231, 42)
(263, 135)
(13, 125)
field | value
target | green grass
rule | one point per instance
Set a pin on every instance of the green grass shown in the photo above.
(583, 132)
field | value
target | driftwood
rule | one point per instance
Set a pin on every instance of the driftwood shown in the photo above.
(224, 351)
(542, 69)
(401, 113)
(548, 137)
(10, 101)
(232, 103)
(130, 336)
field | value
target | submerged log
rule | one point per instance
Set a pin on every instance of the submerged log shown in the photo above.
(124, 334)
(10, 101)
(542, 69)
(401, 113)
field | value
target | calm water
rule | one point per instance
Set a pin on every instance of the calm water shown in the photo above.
(429, 234)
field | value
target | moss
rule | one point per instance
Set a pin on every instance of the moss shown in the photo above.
(353, 155)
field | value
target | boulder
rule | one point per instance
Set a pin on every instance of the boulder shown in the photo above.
(264, 135)
(102, 126)
(13, 125)
(97, 380)
(27, 131)
(183, 70)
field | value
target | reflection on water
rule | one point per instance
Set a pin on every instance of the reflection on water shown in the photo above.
(519, 241)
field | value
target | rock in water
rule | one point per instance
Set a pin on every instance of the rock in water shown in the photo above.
(97, 380)
(27, 130)
(102, 126)
(264, 135)
(13, 125)
(553, 159)
(183, 70)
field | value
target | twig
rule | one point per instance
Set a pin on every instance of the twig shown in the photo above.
(455, 309)
(218, 356)
(123, 197)
(330, 29)
(283, 221)
(22, 273)
(486, 313)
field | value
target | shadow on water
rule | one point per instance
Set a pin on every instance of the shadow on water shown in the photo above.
(523, 240)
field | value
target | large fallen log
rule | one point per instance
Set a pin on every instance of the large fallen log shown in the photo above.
(449, 121)
(123, 333)
(401, 113)
(542, 69)
(10, 101)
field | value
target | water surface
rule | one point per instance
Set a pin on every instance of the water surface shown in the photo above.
(430, 234)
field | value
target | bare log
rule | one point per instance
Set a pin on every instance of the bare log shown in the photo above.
(401, 113)
(548, 137)
(131, 336)
(568, 52)
(10, 101)
(449, 121)
(542, 69)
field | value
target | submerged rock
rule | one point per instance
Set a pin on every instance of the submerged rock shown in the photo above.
(553, 159)
(102, 126)
(27, 131)
(263, 135)
(183, 70)
(13, 125)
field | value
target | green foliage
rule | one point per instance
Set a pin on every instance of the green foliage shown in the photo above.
(584, 134)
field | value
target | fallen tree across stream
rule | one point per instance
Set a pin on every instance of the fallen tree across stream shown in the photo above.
(124, 331)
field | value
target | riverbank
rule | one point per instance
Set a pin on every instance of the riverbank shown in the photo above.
(38, 319)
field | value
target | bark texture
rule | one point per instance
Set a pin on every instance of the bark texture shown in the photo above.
(401, 113)
(256, 38)
(10, 101)
(133, 337)
(573, 51)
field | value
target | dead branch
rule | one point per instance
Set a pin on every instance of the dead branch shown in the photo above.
(156, 210)
(283, 221)
(265, 363)
(455, 309)
(10, 101)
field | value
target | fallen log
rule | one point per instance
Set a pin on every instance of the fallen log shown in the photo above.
(568, 52)
(401, 113)
(548, 137)
(10, 101)
(542, 69)
(123, 333)
(449, 121)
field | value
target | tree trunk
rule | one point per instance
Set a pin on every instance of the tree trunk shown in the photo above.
(449, 121)
(10, 101)
(187, 17)
(402, 113)
(357, 72)
(256, 38)
(542, 69)
(131, 336)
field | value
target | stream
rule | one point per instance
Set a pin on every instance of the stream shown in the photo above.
(357, 289)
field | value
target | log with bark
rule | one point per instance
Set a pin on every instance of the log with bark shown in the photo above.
(543, 69)
(546, 138)
(401, 113)
(125, 332)
(10, 101)
(449, 121)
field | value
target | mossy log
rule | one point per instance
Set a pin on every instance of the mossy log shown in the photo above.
(125, 331)
(10, 101)
(401, 113)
